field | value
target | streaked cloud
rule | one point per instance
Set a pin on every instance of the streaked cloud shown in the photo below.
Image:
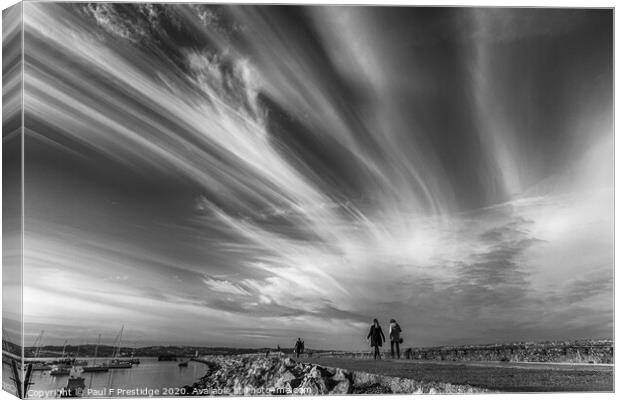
(252, 170)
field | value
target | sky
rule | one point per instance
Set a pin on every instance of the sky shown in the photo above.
(11, 175)
(246, 175)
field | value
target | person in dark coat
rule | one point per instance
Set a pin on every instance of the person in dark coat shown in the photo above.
(298, 347)
(376, 337)
(395, 339)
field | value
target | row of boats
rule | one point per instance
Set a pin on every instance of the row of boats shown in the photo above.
(57, 368)
(75, 383)
(74, 368)
(64, 366)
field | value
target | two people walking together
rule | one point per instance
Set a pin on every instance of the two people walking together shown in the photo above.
(299, 347)
(377, 337)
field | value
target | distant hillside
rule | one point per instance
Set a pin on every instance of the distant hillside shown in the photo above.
(585, 350)
(88, 350)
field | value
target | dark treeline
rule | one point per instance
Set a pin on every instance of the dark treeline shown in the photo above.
(88, 350)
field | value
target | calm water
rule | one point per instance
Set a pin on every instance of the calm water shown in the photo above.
(149, 378)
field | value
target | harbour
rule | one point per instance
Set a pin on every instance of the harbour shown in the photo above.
(148, 378)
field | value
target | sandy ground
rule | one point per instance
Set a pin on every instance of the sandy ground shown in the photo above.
(510, 377)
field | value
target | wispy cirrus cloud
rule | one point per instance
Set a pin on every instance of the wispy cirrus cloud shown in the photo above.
(261, 173)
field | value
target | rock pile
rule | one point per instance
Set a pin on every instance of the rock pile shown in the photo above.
(260, 375)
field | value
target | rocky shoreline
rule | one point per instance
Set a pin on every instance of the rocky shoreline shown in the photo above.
(260, 375)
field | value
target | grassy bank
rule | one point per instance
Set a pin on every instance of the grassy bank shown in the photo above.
(507, 378)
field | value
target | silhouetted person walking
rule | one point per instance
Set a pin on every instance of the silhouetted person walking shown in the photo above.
(395, 339)
(376, 337)
(298, 347)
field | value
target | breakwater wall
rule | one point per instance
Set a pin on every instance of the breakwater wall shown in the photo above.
(586, 351)
(260, 375)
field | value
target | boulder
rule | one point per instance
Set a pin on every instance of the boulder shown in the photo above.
(317, 372)
(341, 375)
(295, 383)
(342, 387)
(313, 386)
(285, 378)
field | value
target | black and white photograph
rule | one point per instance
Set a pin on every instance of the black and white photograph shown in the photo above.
(214, 199)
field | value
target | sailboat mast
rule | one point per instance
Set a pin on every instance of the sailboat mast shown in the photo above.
(5, 340)
(97, 346)
(40, 344)
(120, 338)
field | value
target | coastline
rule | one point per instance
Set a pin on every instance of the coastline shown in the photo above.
(262, 375)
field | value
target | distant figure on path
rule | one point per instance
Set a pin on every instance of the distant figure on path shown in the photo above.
(395, 339)
(298, 347)
(376, 337)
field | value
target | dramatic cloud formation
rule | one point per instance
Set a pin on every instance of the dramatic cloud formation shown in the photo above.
(247, 175)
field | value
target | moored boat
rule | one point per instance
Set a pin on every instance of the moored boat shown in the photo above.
(59, 370)
(133, 359)
(41, 366)
(96, 368)
(116, 363)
